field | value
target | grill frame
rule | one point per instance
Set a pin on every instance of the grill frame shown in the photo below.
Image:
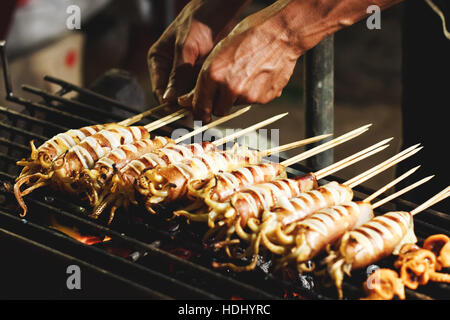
(145, 280)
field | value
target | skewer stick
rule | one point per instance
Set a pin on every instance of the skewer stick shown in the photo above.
(349, 163)
(382, 166)
(325, 146)
(166, 120)
(400, 192)
(293, 145)
(352, 159)
(432, 201)
(213, 124)
(390, 184)
(249, 129)
(142, 115)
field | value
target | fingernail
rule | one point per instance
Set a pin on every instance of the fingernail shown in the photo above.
(169, 95)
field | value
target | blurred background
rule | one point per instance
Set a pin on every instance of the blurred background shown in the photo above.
(117, 35)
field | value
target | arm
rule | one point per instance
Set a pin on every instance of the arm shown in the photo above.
(255, 61)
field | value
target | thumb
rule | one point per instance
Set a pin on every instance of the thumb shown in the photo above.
(186, 100)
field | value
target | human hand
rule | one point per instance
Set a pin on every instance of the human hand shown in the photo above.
(251, 65)
(176, 57)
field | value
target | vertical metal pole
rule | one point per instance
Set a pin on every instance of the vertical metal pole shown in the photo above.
(319, 97)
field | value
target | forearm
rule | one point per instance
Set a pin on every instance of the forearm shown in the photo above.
(221, 11)
(304, 23)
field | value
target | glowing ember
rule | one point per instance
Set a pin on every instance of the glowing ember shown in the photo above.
(292, 295)
(76, 234)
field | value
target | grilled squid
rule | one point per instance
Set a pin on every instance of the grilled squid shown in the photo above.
(66, 169)
(384, 284)
(312, 235)
(269, 215)
(41, 158)
(95, 179)
(213, 193)
(247, 205)
(168, 184)
(439, 244)
(380, 237)
(223, 184)
(418, 266)
(121, 189)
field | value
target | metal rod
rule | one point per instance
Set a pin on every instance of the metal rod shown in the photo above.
(87, 92)
(319, 97)
(23, 132)
(73, 103)
(13, 144)
(18, 115)
(6, 77)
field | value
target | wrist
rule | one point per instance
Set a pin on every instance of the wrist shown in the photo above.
(308, 22)
(207, 10)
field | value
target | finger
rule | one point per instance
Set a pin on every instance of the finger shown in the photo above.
(159, 69)
(204, 94)
(242, 100)
(181, 81)
(186, 100)
(224, 101)
(183, 72)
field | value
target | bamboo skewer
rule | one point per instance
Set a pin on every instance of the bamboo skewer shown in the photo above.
(343, 138)
(345, 164)
(432, 201)
(400, 192)
(325, 171)
(256, 126)
(213, 124)
(295, 144)
(382, 166)
(166, 120)
(249, 129)
(389, 185)
(142, 115)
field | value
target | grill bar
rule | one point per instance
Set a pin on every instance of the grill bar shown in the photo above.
(13, 144)
(96, 257)
(45, 250)
(17, 115)
(88, 93)
(71, 103)
(22, 132)
(51, 111)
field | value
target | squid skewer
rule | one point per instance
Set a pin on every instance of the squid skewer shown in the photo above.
(216, 191)
(168, 183)
(121, 192)
(284, 211)
(95, 179)
(65, 169)
(380, 237)
(313, 234)
(41, 158)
